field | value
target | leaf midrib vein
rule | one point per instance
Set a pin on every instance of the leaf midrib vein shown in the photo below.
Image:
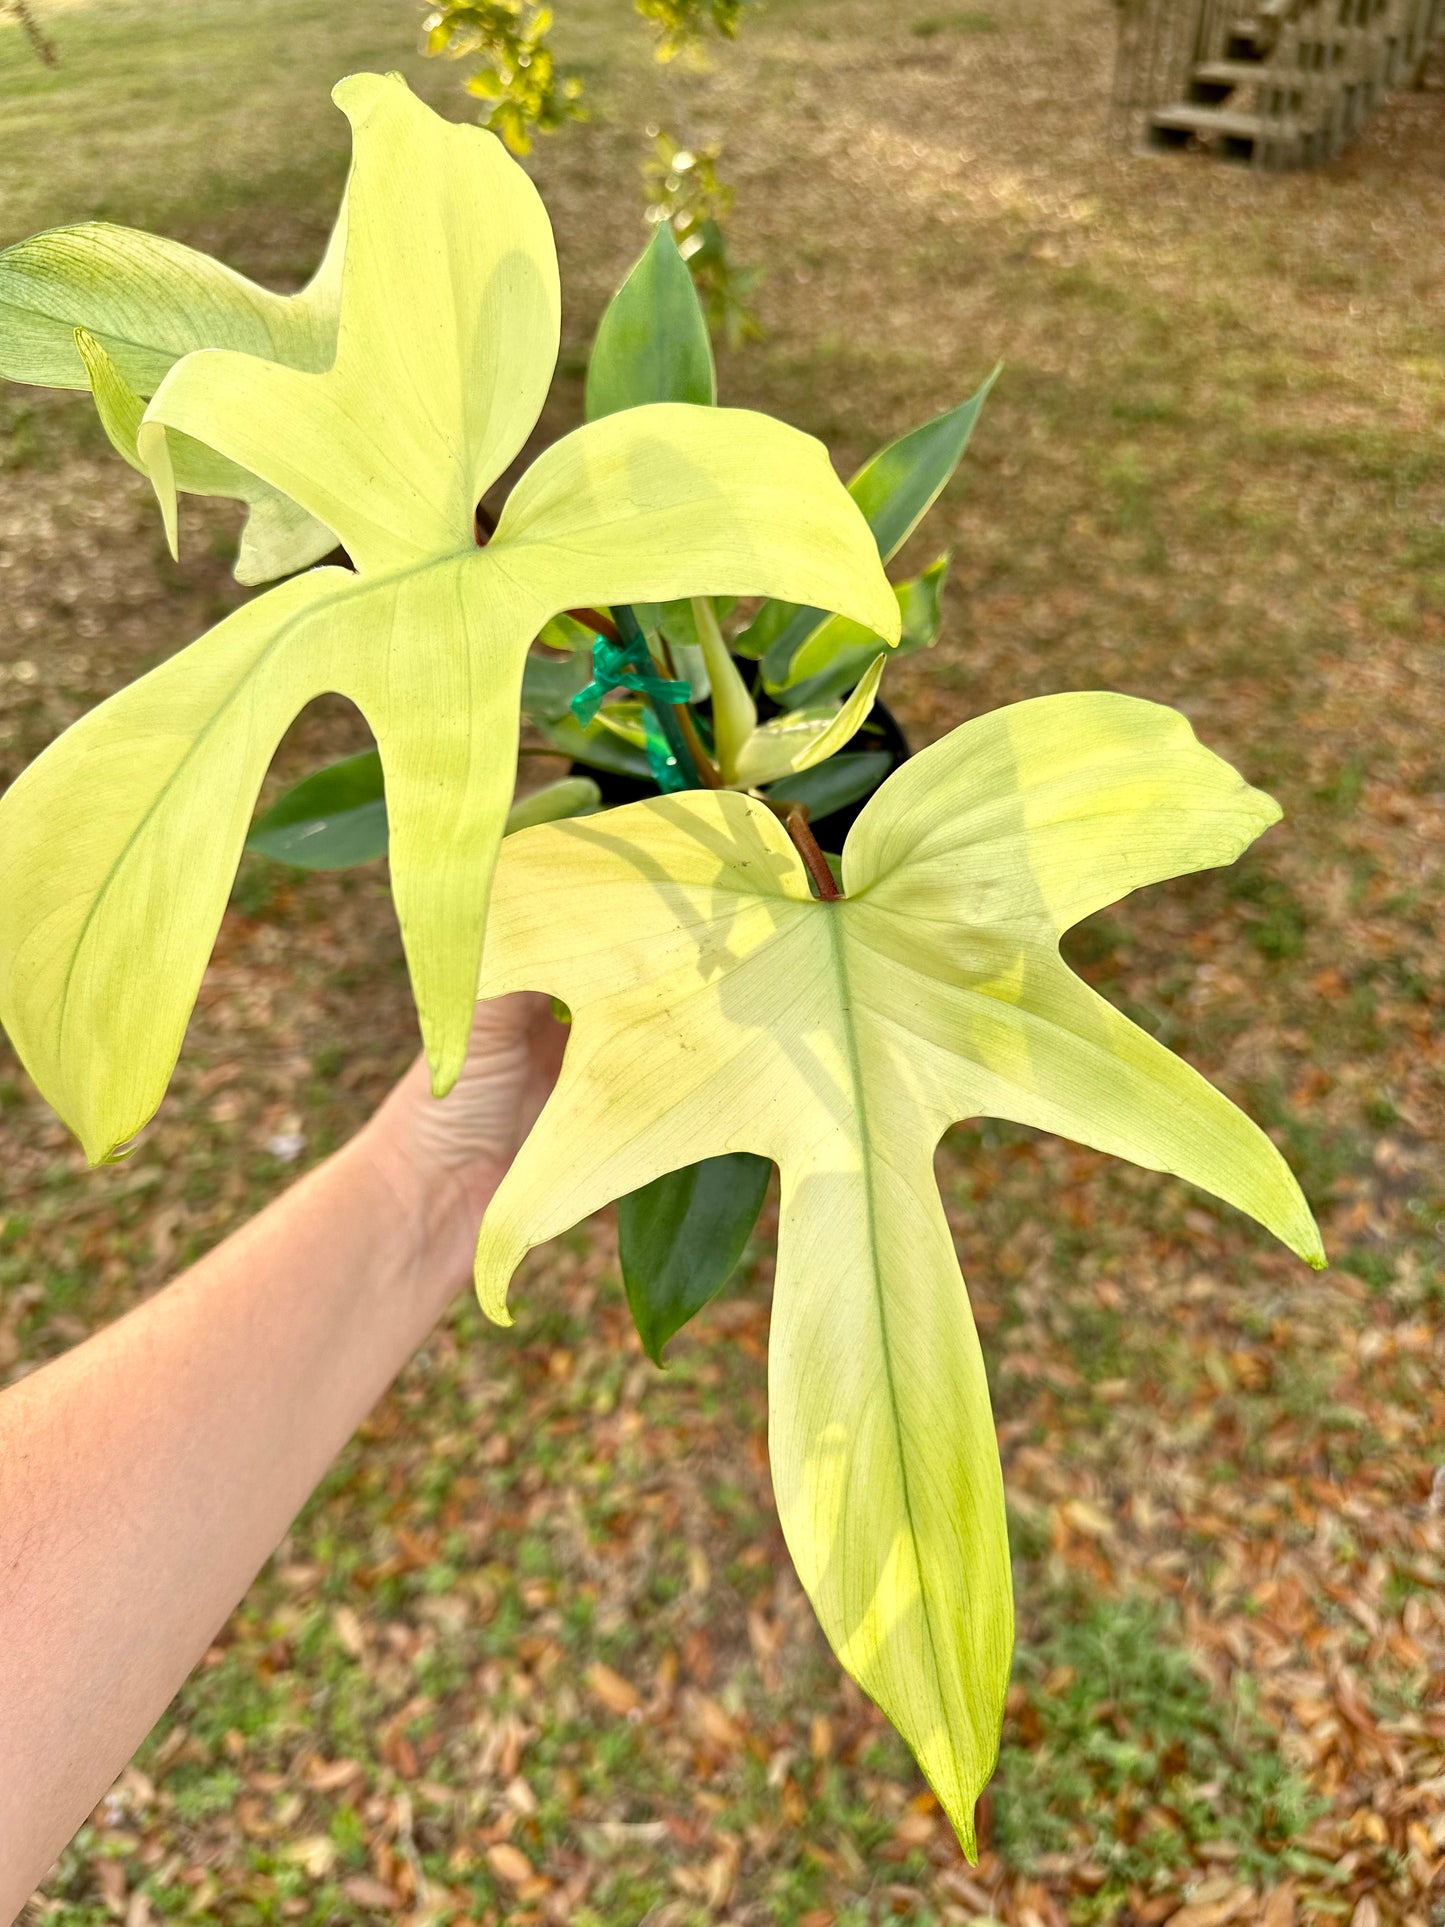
(838, 939)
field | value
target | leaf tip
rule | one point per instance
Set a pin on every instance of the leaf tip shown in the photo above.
(890, 624)
(499, 1251)
(663, 238)
(491, 1288)
(966, 1827)
(1298, 1229)
(959, 1778)
(1268, 808)
(355, 94)
(653, 1336)
(447, 1043)
(102, 1145)
(154, 451)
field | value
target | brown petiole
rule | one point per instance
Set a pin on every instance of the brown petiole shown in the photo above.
(599, 624)
(806, 844)
(708, 773)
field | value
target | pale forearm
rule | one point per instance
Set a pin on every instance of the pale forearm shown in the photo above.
(146, 1476)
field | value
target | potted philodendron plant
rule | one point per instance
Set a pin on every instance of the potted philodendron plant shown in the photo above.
(741, 993)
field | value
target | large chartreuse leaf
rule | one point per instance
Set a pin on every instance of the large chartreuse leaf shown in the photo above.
(113, 310)
(652, 342)
(895, 489)
(840, 1039)
(118, 845)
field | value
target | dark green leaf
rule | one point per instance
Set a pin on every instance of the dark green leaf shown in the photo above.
(332, 820)
(895, 490)
(336, 818)
(652, 342)
(549, 683)
(902, 482)
(562, 632)
(680, 1237)
(598, 747)
(778, 630)
(835, 656)
(835, 784)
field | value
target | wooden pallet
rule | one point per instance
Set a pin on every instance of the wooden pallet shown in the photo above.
(1286, 83)
(1226, 132)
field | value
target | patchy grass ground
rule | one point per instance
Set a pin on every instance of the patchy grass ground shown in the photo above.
(535, 1652)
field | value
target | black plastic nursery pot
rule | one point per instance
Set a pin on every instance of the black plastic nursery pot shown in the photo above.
(881, 734)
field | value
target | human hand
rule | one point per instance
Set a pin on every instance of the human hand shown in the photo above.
(445, 1157)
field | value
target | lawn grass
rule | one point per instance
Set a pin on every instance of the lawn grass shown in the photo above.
(541, 1608)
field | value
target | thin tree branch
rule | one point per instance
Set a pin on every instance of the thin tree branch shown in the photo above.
(42, 45)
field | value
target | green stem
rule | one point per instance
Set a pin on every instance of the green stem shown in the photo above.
(734, 715)
(709, 776)
(708, 772)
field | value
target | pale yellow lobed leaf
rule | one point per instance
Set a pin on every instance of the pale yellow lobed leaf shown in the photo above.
(279, 537)
(717, 1006)
(115, 309)
(148, 301)
(118, 845)
(711, 1012)
(450, 310)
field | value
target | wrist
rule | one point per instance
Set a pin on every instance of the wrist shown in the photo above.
(432, 1214)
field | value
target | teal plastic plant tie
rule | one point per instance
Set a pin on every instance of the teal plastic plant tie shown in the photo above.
(625, 665)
